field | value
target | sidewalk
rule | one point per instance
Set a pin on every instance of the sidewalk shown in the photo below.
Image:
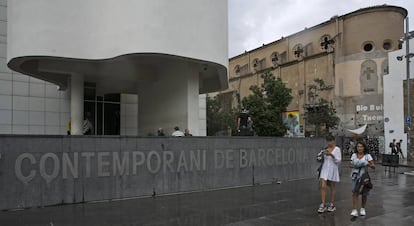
(406, 163)
(290, 203)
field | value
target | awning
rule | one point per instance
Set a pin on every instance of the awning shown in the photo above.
(359, 130)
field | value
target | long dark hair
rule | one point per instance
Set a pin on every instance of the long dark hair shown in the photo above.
(366, 150)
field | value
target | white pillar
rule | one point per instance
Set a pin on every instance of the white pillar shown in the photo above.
(193, 107)
(76, 104)
(170, 100)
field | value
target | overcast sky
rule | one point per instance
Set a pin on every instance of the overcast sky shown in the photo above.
(254, 22)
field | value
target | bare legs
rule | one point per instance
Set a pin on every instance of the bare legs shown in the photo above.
(323, 191)
(333, 191)
(355, 201)
(364, 201)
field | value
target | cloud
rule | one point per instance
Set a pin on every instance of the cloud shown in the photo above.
(253, 23)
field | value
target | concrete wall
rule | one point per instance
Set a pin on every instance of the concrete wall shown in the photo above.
(28, 105)
(48, 170)
(171, 100)
(129, 114)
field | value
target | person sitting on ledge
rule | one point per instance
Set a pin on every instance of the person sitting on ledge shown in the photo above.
(187, 133)
(177, 132)
(160, 132)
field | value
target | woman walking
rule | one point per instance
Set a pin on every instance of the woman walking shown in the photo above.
(329, 174)
(360, 161)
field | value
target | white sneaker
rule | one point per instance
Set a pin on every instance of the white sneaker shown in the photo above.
(331, 207)
(322, 208)
(354, 213)
(362, 212)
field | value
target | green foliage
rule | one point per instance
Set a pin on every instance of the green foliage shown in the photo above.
(219, 120)
(266, 105)
(320, 112)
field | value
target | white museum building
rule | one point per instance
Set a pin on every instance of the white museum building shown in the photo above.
(394, 101)
(129, 66)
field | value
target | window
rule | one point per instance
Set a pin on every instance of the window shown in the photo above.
(237, 69)
(275, 58)
(255, 63)
(368, 46)
(259, 64)
(326, 42)
(298, 50)
(369, 77)
(387, 45)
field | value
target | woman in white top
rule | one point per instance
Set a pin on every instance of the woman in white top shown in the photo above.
(329, 173)
(360, 161)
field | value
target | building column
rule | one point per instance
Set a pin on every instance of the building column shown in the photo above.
(76, 103)
(170, 100)
(193, 106)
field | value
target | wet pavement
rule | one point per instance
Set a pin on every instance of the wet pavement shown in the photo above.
(406, 163)
(290, 203)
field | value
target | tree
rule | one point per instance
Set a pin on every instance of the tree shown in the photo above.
(266, 105)
(320, 112)
(218, 120)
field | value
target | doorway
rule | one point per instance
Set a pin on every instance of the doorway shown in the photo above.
(102, 111)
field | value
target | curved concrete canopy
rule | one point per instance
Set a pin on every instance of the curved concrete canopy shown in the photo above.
(118, 41)
(119, 74)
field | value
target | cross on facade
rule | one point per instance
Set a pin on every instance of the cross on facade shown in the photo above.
(326, 42)
(368, 72)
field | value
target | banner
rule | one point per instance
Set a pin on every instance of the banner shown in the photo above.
(291, 121)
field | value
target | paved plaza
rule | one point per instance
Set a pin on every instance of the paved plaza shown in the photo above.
(286, 203)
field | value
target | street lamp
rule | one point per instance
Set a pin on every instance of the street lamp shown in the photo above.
(407, 36)
(400, 58)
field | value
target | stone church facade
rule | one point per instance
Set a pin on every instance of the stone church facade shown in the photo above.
(349, 52)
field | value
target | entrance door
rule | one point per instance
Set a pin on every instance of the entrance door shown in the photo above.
(102, 111)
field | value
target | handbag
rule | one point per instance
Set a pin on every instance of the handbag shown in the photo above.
(320, 159)
(364, 183)
(319, 156)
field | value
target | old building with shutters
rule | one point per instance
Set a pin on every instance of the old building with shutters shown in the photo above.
(348, 52)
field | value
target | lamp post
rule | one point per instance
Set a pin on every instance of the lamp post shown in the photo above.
(408, 35)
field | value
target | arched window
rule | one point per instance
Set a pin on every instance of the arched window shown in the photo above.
(237, 69)
(369, 77)
(255, 63)
(275, 58)
(298, 50)
(326, 42)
